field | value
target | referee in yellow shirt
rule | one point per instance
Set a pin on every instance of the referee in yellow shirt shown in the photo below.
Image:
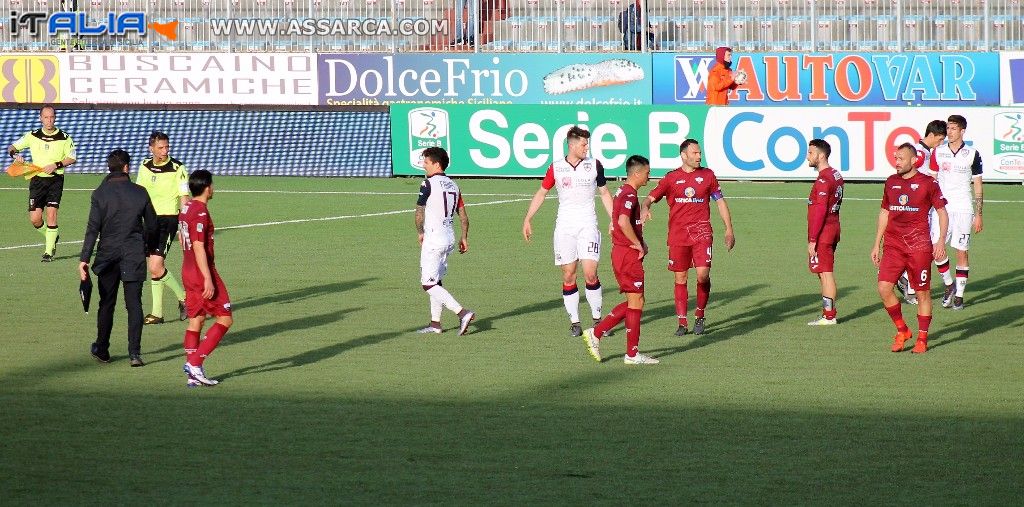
(166, 180)
(53, 150)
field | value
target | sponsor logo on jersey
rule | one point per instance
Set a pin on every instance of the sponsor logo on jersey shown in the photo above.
(903, 199)
(689, 192)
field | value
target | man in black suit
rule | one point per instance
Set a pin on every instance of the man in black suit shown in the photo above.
(125, 221)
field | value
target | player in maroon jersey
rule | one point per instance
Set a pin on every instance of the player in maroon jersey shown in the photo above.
(903, 223)
(690, 190)
(628, 250)
(205, 293)
(924, 162)
(823, 226)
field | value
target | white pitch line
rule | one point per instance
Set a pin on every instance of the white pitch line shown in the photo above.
(296, 221)
(316, 192)
(759, 198)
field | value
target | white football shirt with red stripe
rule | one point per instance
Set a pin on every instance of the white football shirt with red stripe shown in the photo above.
(577, 186)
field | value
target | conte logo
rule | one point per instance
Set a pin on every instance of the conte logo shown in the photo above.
(29, 79)
(903, 199)
(689, 192)
(428, 127)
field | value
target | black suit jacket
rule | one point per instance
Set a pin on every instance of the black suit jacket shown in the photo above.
(122, 216)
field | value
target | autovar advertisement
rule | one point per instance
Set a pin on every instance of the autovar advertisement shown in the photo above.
(484, 79)
(850, 79)
(771, 143)
(160, 78)
(522, 141)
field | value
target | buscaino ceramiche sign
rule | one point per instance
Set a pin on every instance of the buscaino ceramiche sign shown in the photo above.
(189, 78)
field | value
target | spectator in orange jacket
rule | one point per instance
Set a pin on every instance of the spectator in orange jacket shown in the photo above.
(721, 79)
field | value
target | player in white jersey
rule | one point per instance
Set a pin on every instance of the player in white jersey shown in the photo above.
(934, 134)
(958, 169)
(577, 237)
(438, 203)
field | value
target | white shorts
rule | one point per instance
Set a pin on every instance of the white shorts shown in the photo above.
(580, 243)
(958, 234)
(434, 263)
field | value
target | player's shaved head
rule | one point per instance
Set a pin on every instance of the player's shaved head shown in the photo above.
(636, 163)
(48, 107)
(199, 181)
(822, 146)
(117, 160)
(909, 148)
(686, 144)
(437, 155)
(158, 136)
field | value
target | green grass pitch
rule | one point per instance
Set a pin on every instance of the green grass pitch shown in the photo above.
(328, 397)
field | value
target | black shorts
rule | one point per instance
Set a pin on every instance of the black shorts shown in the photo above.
(167, 230)
(45, 192)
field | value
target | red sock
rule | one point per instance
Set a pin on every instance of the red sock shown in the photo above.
(191, 344)
(609, 322)
(896, 314)
(682, 300)
(633, 331)
(213, 336)
(703, 293)
(923, 321)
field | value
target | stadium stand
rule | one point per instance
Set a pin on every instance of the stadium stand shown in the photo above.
(555, 25)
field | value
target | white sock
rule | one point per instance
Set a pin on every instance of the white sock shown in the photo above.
(572, 303)
(595, 299)
(445, 298)
(961, 281)
(435, 309)
(947, 277)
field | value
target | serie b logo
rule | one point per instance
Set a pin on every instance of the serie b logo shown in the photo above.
(903, 199)
(428, 127)
(689, 192)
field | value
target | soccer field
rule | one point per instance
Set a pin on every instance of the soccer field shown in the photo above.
(328, 396)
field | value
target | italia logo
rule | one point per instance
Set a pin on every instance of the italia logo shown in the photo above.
(903, 199)
(689, 192)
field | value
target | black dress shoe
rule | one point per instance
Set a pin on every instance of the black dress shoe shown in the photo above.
(136, 361)
(101, 355)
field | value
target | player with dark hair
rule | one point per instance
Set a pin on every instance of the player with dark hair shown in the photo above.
(577, 237)
(823, 226)
(166, 180)
(439, 201)
(628, 251)
(958, 170)
(903, 224)
(690, 190)
(52, 150)
(205, 293)
(934, 134)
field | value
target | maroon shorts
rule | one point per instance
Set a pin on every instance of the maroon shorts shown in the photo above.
(628, 268)
(682, 258)
(218, 306)
(824, 258)
(918, 266)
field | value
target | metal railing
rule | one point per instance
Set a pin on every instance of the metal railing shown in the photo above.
(540, 25)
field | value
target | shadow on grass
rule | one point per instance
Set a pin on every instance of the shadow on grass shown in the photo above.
(300, 294)
(254, 333)
(976, 326)
(510, 451)
(756, 316)
(716, 299)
